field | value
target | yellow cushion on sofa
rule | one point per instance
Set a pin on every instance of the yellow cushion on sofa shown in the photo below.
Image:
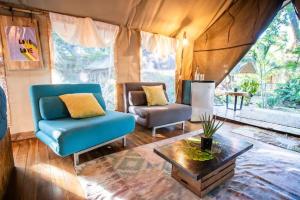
(155, 95)
(82, 105)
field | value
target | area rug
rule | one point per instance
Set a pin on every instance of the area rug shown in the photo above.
(284, 141)
(272, 116)
(265, 172)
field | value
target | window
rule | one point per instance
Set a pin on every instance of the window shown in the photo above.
(76, 64)
(158, 65)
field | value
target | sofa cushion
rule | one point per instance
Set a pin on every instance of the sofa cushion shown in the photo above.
(161, 115)
(72, 135)
(137, 98)
(82, 105)
(46, 105)
(155, 95)
(100, 100)
(53, 108)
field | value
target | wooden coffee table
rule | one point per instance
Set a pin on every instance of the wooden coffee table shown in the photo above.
(203, 176)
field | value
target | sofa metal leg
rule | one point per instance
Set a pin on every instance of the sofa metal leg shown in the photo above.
(76, 159)
(124, 141)
(183, 126)
(153, 131)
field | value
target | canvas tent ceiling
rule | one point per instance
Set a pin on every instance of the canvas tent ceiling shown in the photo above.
(167, 17)
(223, 30)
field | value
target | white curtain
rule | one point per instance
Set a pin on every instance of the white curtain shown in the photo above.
(83, 31)
(158, 44)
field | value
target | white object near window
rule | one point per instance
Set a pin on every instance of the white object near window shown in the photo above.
(202, 99)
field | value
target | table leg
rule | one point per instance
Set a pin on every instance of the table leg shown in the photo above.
(242, 99)
(235, 102)
(227, 101)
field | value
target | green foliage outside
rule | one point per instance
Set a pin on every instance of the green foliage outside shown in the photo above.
(275, 58)
(76, 64)
(250, 85)
(288, 94)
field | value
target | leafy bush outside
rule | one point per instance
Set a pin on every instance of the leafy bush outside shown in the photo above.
(288, 94)
(275, 59)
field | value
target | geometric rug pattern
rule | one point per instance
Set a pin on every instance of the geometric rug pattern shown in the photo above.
(264, 172)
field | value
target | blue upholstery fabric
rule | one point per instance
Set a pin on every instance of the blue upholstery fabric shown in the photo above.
(39, 91)
(66, 136)
(74, 135)
(46, 105)
(53, 108)
(3, 116)
(100, 100)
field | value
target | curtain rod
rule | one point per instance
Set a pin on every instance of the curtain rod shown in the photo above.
(20, 10)
(37, 11)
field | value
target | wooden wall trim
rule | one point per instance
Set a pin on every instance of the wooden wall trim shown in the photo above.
(6, 163)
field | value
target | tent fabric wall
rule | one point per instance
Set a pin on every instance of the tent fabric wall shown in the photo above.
(211, 24)
(83, 31)
(127, 61)
(220, 48)
(297, 7)
(18, 81)
(160, 44)
(167, 17)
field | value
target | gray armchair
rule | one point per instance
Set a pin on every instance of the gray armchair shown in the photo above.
(153, 116)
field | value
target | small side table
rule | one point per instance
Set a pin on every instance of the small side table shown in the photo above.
(235, 95)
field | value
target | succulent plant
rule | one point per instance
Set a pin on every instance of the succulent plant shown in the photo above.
(210, 125)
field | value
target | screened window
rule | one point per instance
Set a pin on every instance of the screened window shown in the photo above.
(76, 64)
(158, 61)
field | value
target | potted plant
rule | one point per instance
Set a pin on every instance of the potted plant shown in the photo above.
(210, 126)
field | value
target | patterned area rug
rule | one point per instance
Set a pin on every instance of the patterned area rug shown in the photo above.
(284, 141)
(265, 172)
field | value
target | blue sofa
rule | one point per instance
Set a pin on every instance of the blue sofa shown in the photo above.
(3, 117)
(66, 136)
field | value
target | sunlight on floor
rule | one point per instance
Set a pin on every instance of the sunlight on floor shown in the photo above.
(61, 179)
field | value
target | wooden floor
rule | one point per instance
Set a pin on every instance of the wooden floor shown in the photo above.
(40, 174)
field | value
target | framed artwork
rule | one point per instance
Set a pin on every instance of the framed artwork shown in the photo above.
(21, 44)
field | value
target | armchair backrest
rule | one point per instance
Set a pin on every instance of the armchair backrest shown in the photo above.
(136, 86)
(48, 90)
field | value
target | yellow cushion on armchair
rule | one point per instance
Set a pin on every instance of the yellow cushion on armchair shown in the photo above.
(82, 105)
(155, 95)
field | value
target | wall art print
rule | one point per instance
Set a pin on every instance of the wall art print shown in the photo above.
(22, 43)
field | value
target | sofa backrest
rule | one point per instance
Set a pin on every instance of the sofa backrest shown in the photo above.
(3, 116)
(39, 91)
(136, 86)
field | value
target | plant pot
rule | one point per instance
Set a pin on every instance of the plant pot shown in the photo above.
(206, 143)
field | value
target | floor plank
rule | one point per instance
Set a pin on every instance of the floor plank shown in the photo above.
(41, 174)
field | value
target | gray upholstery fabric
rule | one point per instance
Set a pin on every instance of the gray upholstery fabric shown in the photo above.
(137, 98)
(151, 116)
(135, 86)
